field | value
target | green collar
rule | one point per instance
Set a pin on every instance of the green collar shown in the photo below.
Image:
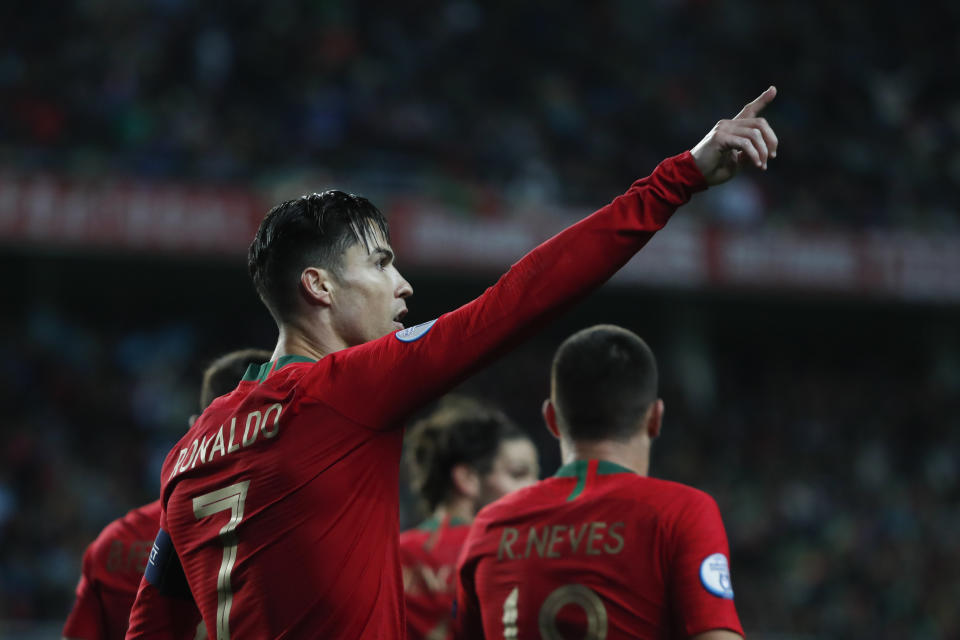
(432, 524)
(579, 468)
(259, 372)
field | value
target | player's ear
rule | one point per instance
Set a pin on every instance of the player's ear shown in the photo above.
(655, 418)
(550, 418)
(317, 285)
(465, 480)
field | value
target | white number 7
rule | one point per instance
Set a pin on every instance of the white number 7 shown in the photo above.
(231, 498)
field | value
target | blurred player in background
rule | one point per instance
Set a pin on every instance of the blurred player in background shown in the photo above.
(599, 550)
(113, 563)
(281, 503)
(462, 456)
(223, 374)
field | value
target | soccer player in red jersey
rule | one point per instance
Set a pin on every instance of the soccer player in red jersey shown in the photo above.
(462, 456)
(281, 503)
(114, 563)
(112, 567)
(600, 550)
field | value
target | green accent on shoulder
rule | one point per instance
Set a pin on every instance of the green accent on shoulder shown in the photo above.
(259, 372)
(605, 468)
(265, 370)
(432, 523)
(578, 469)
(575, 468)
(285, 360)
(252, 373)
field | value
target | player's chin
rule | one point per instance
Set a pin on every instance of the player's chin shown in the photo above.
(397, 326)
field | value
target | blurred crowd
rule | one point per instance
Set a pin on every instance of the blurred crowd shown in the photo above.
(492, 107)
(836, 469)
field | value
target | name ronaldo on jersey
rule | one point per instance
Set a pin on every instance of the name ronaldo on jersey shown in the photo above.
(255, 423)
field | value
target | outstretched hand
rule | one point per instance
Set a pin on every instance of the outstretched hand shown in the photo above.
(746, 139)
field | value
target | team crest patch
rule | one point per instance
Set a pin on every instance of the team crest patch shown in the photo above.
(412, 334)
(715, 576)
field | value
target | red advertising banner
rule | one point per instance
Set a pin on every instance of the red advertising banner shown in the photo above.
(46, 210)
(124, 214)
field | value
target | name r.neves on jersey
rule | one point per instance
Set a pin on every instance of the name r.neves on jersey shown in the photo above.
(590, 538)
(254, 424)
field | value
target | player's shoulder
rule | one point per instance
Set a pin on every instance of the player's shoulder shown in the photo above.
(296, 376)
(520, 504)
(265, 379)
(144, 521)
(394, 345)
(665, 496)
(667, 490)
(140, 523)
(135, 520)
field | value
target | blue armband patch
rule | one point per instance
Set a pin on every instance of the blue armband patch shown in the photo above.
(164, 570)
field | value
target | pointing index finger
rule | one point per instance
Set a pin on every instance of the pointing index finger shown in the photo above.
(755, 107)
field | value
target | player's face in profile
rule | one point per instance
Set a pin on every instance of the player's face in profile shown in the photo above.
(370, 298)
(515, 467)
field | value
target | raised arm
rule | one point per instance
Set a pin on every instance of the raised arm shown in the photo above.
(731, 144)
(404, 370)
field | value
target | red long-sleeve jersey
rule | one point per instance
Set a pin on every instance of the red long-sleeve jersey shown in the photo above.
(428, 562)
(281, 502)
(596, 552)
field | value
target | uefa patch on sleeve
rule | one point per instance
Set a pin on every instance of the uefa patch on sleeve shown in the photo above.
(715, 576)
(412, 334)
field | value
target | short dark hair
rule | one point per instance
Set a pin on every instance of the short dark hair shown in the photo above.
(603, 381)
(459, 431)
(312, 230)
(223, 374)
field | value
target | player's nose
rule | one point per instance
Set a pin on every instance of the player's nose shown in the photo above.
(404, 290)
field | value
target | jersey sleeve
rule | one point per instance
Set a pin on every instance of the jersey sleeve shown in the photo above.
(467, 619)
(85, 621)
(699, 579)
(164, 608)
(156, 616)
(399, 372)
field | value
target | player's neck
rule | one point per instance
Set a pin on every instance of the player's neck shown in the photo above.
(294, 341)
(634, 455)
(460, 508)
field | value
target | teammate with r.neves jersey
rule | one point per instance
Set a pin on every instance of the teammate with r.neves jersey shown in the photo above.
(599, 551)
(281, 503)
